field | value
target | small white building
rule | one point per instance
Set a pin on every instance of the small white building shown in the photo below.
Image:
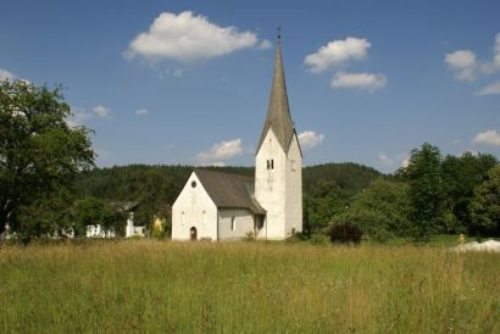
(131, 230)
(217, 206)
(97, 231)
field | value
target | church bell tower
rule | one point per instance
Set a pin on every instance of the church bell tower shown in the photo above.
(278, 163)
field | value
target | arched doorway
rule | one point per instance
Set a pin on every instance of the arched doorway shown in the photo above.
(193, 233)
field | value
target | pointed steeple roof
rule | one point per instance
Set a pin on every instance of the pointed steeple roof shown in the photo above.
(278, 114)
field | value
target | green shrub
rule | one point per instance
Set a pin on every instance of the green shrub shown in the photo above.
(318, 239)
(345, 233)
(249, 236)
(298, 237)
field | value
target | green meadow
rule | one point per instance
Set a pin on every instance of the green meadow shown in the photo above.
(246, 287)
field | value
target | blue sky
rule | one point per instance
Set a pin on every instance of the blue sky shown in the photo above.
(167, 82)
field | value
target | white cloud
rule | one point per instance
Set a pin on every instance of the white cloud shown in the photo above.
(102, 111)
(220, 152)
(463, 62)
(466, 66)
(310, 139)
(142, 112)
(336, 53)
(491, 89)
(496, 51)
(366, 81)
(405, 162)
(265, 44)
(6, 75)
(394, 161)
(384, 159)
(187, 37)
(488, 137)
(78, 117)
(494, 65)
(461, 59)
(214, 164)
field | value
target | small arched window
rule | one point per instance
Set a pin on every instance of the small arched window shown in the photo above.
(233, 223)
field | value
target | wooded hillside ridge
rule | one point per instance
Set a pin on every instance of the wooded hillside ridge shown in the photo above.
(135, 181)
(157, 186)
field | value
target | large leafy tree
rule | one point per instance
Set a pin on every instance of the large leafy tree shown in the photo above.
(322, 203)
(426, 192)
(460, 176)
(485, 206)
(381, 210)
(94, 211)
(47, 215)
(39, 151)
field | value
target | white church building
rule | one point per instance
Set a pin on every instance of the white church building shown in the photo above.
(218, 206)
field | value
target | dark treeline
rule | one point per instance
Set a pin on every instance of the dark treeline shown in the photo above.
(157, 187)
(433, 194)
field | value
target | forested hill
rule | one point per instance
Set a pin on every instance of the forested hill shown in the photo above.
(163, 183)
(349, 176)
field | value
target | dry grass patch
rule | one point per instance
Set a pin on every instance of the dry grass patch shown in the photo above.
(154, 286)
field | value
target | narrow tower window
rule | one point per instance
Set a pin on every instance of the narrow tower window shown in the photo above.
(233, 224)
(270, 164)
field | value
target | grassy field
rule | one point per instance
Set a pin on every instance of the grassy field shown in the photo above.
(167, 287)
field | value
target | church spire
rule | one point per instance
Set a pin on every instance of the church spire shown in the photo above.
(278, 114)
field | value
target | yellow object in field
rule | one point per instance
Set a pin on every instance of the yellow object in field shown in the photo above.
(461, 239)
(157, 224)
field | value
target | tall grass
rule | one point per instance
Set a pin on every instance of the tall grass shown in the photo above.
(153, 286)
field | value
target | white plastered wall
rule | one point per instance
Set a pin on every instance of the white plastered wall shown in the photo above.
(194, 208)
(293, 192)
(235, 224)
(270, 187)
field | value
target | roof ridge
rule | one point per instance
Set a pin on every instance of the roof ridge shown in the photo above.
(229, 189)
(205, 169)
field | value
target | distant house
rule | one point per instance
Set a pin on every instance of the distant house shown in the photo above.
(217, 206)
(97, 231)
(130, 229)
(134, 231)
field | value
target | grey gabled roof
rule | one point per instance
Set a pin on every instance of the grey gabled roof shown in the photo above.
(278, 113)
(230, 190)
